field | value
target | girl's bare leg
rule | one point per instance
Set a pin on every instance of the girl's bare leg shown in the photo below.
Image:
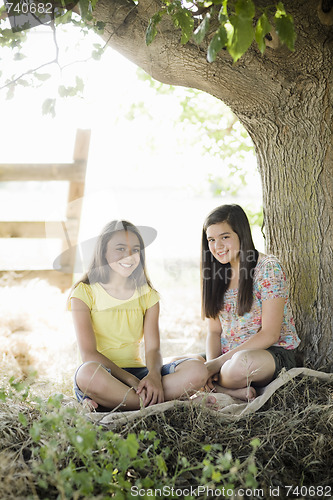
(189, 377)
(245, 393)
(242, 369)
(246, 367)
(104, 389)
(192, 356)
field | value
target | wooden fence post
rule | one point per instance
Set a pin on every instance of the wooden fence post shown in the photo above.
(67, 230)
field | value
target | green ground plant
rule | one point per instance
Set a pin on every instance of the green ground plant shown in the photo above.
(50, 449)
(67, 456)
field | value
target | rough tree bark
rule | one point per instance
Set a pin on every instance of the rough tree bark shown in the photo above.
(285, 101)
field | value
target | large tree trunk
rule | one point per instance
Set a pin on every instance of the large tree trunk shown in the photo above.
(296, 166)
(285, 102)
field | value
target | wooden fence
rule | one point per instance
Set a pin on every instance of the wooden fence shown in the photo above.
(66, 230)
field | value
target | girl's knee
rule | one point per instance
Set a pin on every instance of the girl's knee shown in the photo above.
(200, 358)
(195, 372)
(237, 367)
(246, 366)
(241, 361)
(86, 373)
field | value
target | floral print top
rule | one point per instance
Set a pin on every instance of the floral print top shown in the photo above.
(269, 282)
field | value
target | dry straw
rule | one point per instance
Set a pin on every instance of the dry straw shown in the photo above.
(295, 429)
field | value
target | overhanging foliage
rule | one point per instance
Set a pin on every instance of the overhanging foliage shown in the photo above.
(226, 24)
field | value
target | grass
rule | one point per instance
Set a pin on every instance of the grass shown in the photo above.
(49, 449)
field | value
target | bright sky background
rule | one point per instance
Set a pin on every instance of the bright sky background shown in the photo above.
(164, 186)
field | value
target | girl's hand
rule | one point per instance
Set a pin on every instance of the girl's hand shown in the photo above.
(213, 366)
(150, 390)
(210, 384)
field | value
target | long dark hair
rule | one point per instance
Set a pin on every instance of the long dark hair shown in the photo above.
(215, 277)
(99, 270)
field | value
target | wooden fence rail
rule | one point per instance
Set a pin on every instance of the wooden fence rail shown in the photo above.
(66, 230)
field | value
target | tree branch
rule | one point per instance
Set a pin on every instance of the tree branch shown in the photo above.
(37, 68)
(29, 72)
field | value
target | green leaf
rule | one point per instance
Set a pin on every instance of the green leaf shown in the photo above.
(284, 26)
(99, 27)
(64, 18)
(252, 469)
(23, 419)
(280, 10)
(23, 82)
(71, 91)
(63, 91)
(255, 443)
(263, 27)
(35, 432)
(224, 8)
(151, 31)
(183, 18)
(132, 445)
(10, 92)
(42, 76)
(216, 476)
(202, 29)
(19, 56)
(245, 8)
(243, 31)
(96, 54)
(222, 17)
(79, 84)
(54, 401)
(84, 8)
(48, 107)
(217, 43)
(161, 465)
(242, 36)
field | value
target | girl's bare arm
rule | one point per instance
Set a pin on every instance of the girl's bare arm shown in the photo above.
(213, 340)
(87, 343)
(151, 385)
(269, 333)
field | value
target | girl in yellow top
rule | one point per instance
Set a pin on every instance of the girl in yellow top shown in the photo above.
(114, 307)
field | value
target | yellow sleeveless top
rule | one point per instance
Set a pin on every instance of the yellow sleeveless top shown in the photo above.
(117, 324)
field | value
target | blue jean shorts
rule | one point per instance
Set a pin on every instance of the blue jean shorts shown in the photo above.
(139, 372)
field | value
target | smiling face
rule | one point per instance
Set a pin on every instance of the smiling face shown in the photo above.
(223, 243)
(123, 253)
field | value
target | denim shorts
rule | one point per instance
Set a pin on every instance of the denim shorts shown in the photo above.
(139, 372)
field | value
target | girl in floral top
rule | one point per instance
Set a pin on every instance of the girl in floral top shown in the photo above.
(251, 331)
